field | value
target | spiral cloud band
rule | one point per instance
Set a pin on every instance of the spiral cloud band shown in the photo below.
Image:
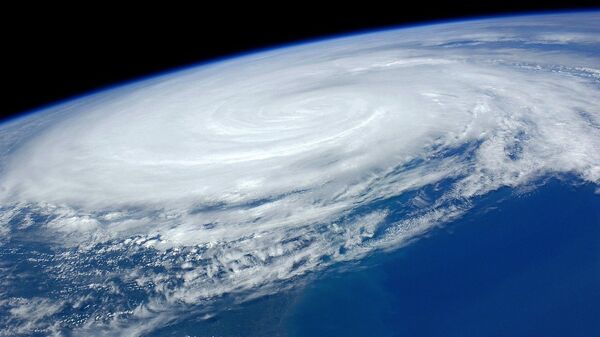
(239, 177)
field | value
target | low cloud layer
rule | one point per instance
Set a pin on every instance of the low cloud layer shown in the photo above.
(244, 175)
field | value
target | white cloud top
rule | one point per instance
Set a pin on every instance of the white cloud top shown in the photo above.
(253, 171)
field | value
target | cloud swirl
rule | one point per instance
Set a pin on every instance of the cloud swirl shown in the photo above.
(239, 177)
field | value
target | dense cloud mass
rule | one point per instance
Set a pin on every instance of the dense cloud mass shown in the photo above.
(240, 177)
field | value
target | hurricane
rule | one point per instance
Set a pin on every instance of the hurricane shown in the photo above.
(236, 179)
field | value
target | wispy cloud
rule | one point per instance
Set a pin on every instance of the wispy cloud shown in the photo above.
(244, 175)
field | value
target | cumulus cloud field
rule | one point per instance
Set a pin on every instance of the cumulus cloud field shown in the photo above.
(241, 177)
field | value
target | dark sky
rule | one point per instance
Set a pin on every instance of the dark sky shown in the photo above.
(51, 54)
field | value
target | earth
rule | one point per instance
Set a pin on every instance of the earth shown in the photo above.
(434, 180)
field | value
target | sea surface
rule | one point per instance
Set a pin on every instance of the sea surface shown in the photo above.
(523, 263)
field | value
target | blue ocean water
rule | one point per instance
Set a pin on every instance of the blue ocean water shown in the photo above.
(519, 264)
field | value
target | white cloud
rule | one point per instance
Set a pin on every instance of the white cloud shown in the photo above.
(248, 173)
